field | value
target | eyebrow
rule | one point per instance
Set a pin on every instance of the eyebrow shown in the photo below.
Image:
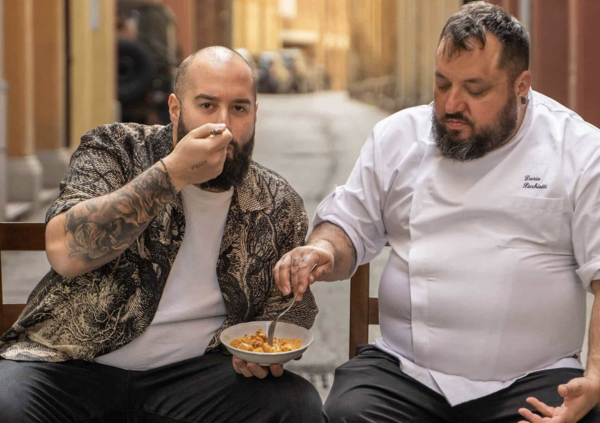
(475, 81)
(215, 98)
(467, 81)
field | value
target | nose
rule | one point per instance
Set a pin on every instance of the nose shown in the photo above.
(455, 103)
(223, 117)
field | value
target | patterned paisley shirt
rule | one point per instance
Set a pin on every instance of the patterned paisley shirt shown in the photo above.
(98, 312)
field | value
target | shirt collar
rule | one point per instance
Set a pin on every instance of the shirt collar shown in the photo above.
(252, 192)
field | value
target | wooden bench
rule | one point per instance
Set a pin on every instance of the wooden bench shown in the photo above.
(18, 237)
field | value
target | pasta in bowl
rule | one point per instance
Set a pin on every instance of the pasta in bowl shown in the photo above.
(294, 338)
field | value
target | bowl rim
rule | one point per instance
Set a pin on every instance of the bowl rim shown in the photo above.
(302, 348)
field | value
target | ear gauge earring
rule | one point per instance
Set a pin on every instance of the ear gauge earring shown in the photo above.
(523, 101)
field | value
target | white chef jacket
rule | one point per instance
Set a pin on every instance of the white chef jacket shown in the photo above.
(490, 259)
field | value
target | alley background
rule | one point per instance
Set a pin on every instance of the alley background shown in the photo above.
(328, 70)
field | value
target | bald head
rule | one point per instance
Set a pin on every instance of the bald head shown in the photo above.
(215, 56)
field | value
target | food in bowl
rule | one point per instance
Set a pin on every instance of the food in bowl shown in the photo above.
(283, 330)
(258, 343)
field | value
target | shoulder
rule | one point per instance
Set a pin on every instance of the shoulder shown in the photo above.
(401, 137)
(415, 120)
(271, 186)
(568, 131)
(402, 130)
(121, 133)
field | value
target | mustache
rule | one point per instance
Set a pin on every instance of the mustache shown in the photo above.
(457, 116)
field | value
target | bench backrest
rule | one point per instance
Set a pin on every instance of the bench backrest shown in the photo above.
(18, 237)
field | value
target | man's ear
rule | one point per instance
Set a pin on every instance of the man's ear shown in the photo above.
(523, 84)
(174, 109)
(255, 112)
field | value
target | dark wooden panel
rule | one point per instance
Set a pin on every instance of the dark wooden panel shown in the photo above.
(359, 308)
(22, 237)
(373, 311)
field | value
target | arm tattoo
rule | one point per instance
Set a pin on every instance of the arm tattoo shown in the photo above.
(101, 228)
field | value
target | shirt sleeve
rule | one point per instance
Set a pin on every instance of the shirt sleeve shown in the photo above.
(357, 206)
(586, 223)
(96, 169)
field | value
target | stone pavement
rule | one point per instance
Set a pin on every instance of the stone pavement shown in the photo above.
(313, 140)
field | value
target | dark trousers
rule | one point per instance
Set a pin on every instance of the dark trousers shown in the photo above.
(371, 388)
(199, 390)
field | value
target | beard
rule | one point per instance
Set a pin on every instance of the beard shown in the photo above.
(234, 169)
(481, 141)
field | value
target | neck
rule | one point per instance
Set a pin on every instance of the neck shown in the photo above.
(520, 118)
(210, 189)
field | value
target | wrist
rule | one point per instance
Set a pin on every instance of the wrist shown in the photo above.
(592, 375)
(174, 174)
(323, 244)
(592, 369)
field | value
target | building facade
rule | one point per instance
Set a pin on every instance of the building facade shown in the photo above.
(57, 80)
(392, 47)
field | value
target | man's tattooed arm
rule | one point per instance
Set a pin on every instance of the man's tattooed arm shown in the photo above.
(97, 230)
(333, 238)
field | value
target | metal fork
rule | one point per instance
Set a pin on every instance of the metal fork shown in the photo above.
(271, 331)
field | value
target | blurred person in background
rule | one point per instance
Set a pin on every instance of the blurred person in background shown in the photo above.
(147, 60)
(162, 237)
(490, 200)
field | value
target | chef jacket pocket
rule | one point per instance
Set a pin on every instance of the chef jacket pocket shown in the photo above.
(530, 222)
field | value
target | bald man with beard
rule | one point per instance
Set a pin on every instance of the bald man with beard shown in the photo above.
(161, 238)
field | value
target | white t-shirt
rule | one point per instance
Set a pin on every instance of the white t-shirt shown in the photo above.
(490, 259)
(191, 309)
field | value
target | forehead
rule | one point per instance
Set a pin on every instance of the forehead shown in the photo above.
(221, 78)
(480, 62)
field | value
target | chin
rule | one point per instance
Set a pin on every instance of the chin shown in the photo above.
(458, 136)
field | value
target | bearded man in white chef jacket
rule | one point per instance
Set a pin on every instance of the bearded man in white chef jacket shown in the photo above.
(490, 200)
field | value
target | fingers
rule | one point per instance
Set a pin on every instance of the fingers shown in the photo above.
(531, 418)
(302, 266)
(204, 131)
(541, 407)
(250, 369)
(217, 135)
(296, 270)
(573, 389)
(257, 370)
(240, 367)
(276, 370)
(295, 280)
(282, 274)
(220, 141)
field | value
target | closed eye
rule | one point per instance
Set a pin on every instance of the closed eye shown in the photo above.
(477, 93)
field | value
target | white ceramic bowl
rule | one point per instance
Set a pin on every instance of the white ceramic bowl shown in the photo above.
(282, 330)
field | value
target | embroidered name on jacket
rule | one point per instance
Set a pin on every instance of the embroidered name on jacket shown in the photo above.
(530, 182)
